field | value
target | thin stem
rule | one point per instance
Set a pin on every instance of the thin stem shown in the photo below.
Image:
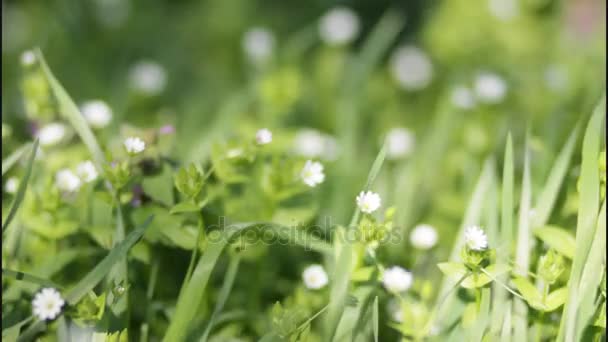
(201, 229)
(502, 284)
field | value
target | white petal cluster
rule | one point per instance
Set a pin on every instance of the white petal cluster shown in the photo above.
(503, 10)
(134, 145)
(397, 279)
(47, 304)
(411, 68)
(87, 171)
(28, 58)
(148, 77)
(463, 97)
(490, 88)
(475, 238)
(258, 44)
(67, 181)
(399, 143)
(368, 201)
(11, 185)
(97, 113)
(424, 236)
(51, 134)
(312, 173)
(315, 277)
(311, 143)
(339, 26)
(263, 136)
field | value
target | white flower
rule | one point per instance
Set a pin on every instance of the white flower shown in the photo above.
(314, 277)
(412, 68)
(97, 113)
(463, 98)
(503, 10)
(258, 44)
(368, 202)
(87, 171)
(47, 304)
(339, 26)
(263, 136)
(11, 185)
(134, 145)
(51, 134)
(311, 143)
(423, 236)
(396, 279)
(312, 173)
(399, 143)
(67, 181)
(475, 238)
(490, 88)
(148, 77)
(28, 58)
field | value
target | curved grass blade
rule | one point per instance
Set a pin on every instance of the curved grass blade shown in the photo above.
(11, 334)
(375, 319)
(13, 158)
(21, 190)
(29, 278)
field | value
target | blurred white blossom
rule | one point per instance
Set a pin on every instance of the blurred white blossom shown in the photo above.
(399, 143)
(97, 113)
(11, 185)
(411, 68)
(28, 58)
(463, 97)
(490, 88)
(315, 277)
(312, 173)
(148, 77)
(424, 236)
(258, 44)
(51, 134)
(263, 136)
(340, 25)
(475, 238)
(134, 145)
(397, 279)
(87, 171)
(67, 181)
(112, 13)
(311, 143)
(47, 304)
(368, 201)
(504, 10)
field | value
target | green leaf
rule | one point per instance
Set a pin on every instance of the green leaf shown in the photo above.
(28, 278)
(529, 292)
(184, 207)
(11, 334)
(375, 319)
(21, 190)
(481, 279)
(160, 187)
(556, 299)
(453, 269)
(557, 238)
(13, 158)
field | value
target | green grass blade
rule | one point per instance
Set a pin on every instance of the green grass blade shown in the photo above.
(29, 278)
(548, 196)
(117, 253)
(586, 218)
(375, 319)
(483, 316)
(233, 268)
(506, 332)
(13, 158)
(11, 334)
(21, 190)
(70, 112)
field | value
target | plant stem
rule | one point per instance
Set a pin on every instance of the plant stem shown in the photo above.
(201, 231)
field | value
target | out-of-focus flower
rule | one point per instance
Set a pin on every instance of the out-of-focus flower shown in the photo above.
(490, 88)
(166, 129)
(112, 13)
(234, 153)
(134, 145)
(28, 58)
(394, 310)
(315, 277)
(424, 236)
(258, 44)
(462, 97)
(67, 181)
(339, 26)
(47, 304)
(87, 171)
(311, 143)
(97, 113)
(51, 134)
(411, 68)
(368, 201)
(148, 77)
(312, 173)
(556, 78)
(263, 136)
(11, 185)
(504, 10)
(475, 238)
(397, 279)
(399, 143)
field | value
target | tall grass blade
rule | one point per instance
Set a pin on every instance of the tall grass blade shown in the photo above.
(13, 158)
(375, 319)
(21, 276)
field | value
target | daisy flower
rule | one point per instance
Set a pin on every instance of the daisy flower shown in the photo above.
(475, 238)
(315, 277)
(312, 173)
(368, 201)
(47, 304)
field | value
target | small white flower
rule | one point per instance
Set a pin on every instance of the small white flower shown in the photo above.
(314, 277)
(475, 238)
(312, 173)
(490, 88)
(28, 58)
(148, 77)
(503, 10)
(424, 236)
(47, 304)
(412, 68)
(67, 181)
(87, 171)
(51, 134)
(11, 185)
(463, 98)
(134, 145)
(97, 113)
(258, 44)
(396, 279)
(339, 26)
(263, 136)
(368, 201)
(399, 143)
(311, 143)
